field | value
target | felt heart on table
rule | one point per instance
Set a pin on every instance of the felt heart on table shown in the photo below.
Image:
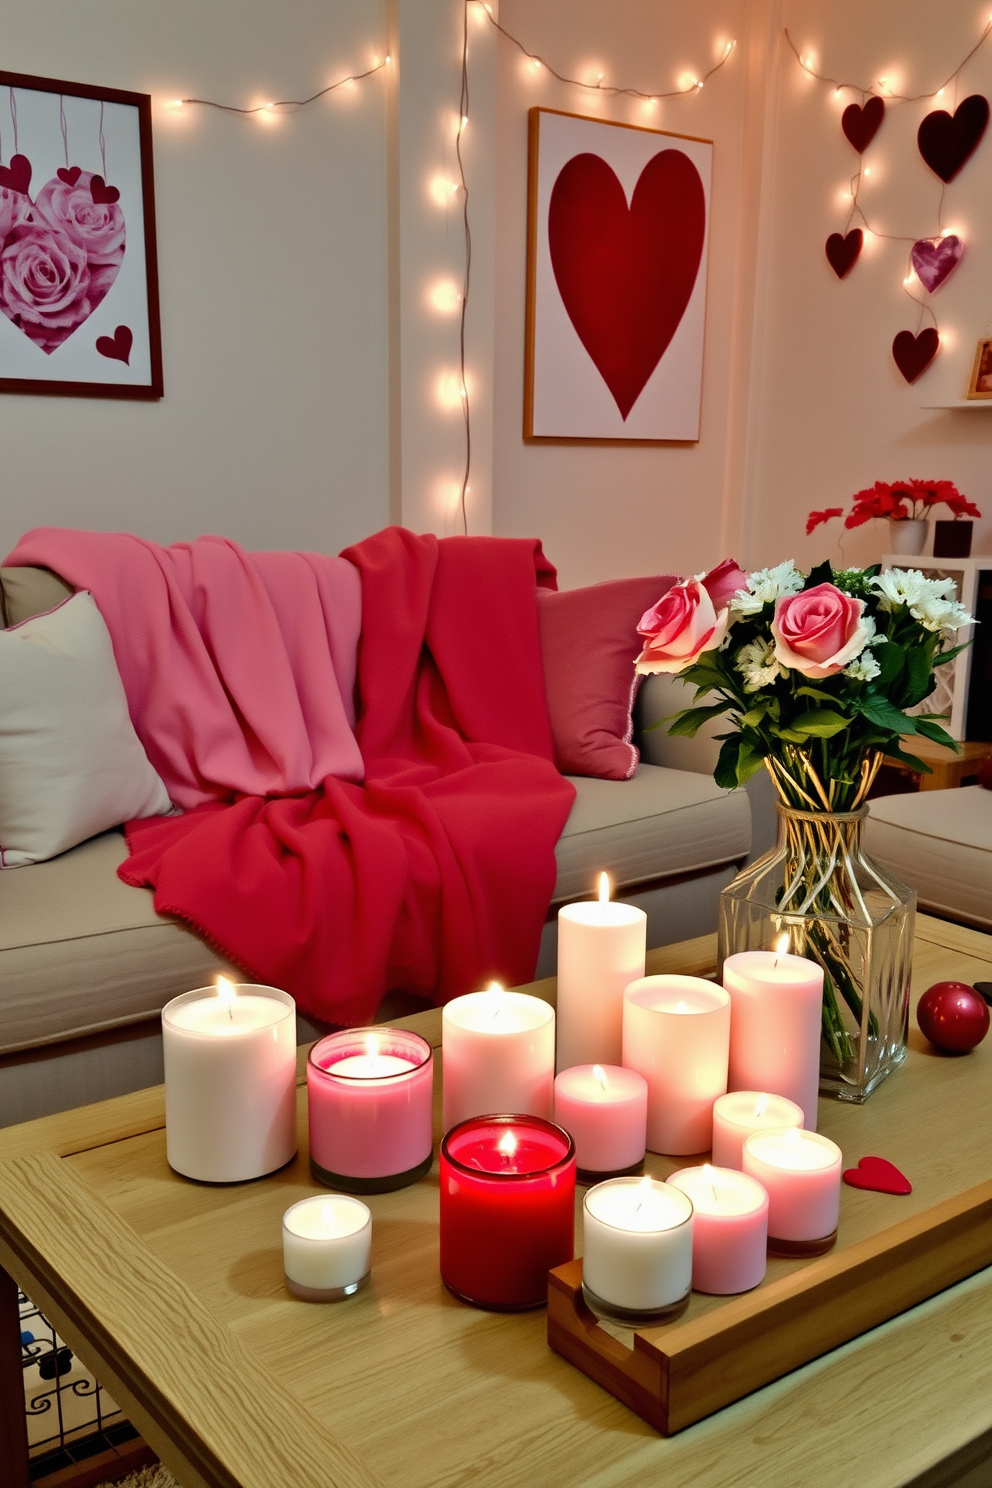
(626, 273)
(70, 174)
(913, 354)
(946, 140)
(102, 194)
(843, 251)
(861, 123)
(935, 258)
(879, 1175)
(117, 346)
(17, 175)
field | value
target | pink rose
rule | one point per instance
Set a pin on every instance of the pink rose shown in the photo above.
(14, 208)
(96, 228)
(44, 285)
(818, 631)
(681, 626)
(723, 582)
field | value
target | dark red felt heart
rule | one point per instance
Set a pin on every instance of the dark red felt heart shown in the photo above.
(70, 174)
(843, 251)
(913, 354)
(861, 124)
(17, 175)
(626, 274)
(102, 194)
(946, 141)
(117, 346)
(878, 1174)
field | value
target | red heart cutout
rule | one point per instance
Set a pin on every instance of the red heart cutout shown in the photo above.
(70, 174)
(843, 252)
(947, 141)
(16, 175)
(102, 194)
(117, 346)
(626, 274)
(862, 124)
(878, 1174)
(913, 354)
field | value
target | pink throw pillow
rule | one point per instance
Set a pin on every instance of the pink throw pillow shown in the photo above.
(589, 641)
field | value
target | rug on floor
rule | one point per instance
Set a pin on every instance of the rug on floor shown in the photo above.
(148, 1477)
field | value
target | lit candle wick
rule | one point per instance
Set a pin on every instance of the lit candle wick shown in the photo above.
(227, 994)
(604, 888)
(496, 993)
(708, 1175)
(761, 1105)
(600, 1075)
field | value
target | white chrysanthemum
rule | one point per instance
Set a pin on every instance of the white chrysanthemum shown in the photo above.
(871, 635)
(757, 664)
(908, 586)
(766, 585)
(864, 669)
(938, 613)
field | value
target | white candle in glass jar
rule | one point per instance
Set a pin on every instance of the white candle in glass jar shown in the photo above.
(230, 1081)
(676, 1033)
(729, 1228)
(801, 1172)
(601, 948)
(498, 1056)
(776, 1001)
(637, 1246)
(326, 1247)
(739, 1113)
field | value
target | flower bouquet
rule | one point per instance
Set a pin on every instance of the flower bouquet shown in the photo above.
(816, 673)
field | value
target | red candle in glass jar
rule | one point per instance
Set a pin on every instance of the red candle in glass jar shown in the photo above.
(507, 1209)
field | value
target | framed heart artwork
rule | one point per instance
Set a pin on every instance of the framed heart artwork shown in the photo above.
(79, 311)
(617, 234)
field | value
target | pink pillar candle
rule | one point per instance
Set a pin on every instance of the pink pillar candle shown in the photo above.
(729, 1231)
(498, 1054)
(776, 1014)
(801, 1171)
(739, 1113)
(604, 1108)
(370, 1098)
(600, 950)
(676, 1032)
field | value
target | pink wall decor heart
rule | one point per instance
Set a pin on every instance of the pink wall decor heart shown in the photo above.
(879, 1175)
(17, 175)
(913, 354)
(946, 141)
(843, 251)
(59, 255)
(935, 258)
(861, 124)
(626, 274)
(117, 346)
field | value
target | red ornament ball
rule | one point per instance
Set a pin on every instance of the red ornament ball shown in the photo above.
(953, 1016)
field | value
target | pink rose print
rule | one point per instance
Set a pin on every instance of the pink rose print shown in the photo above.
(44, 285)
(14, 209)
(818, 631)
(95, 227)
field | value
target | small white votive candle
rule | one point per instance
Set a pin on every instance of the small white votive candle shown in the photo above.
(637, 1261)
(676, 1033)
(326, 1247)
(739, 1113)
(729, 1228)
(801, 1171)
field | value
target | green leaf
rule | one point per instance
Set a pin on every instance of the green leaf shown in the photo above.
(792, 736)
(885, 714)
(930, 729)
(749, 763)
(919, 674)
(753, 716)
(816, 693)
(822, 723)
(688, 724)
(909, 760)
(944, 656)
(725, 773)
(891, 658)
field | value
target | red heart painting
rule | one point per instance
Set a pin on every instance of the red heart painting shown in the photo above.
(626, 274)
(913, 354)
(17, 175)
(879, 1175)
(946, 141)
(843, 250)
(861, 124)
(117, 346)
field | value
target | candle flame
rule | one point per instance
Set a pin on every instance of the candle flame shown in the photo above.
(681, 1007)
(372, 1045)
(604, 888)
(642, 1190)
(496, 995)
(708, 1175)
(227, 993)
(600, 1074)
(781, 943)
(507, 1144)
(761, 1105)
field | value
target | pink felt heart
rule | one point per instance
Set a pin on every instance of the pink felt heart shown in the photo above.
(117, 346)
(913, 354)
(935, 258)
(102, 194)
(69, 174)
(861, 125)
(17, 175)
(843, 251)
(879, 1175)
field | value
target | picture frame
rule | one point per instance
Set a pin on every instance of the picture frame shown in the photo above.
(617, 248)
(980, 384)
(79, 299)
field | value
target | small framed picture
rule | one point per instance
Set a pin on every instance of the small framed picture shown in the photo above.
(980, 385)
(79, 312)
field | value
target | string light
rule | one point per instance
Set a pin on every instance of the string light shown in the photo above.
(267, 110)
(891, 96)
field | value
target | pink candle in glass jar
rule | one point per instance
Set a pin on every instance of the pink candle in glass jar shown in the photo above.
(370, 1098)
(729, 1231)
(605, 1109)
(801, 1171)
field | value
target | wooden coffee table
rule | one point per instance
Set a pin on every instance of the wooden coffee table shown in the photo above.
(172, 1293)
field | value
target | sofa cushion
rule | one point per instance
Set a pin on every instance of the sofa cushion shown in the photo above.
(940, 843)
(30, 591)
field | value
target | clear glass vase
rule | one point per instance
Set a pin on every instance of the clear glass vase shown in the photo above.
(832, 903)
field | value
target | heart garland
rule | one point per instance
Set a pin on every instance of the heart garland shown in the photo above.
(946, 141)
(878, 1175)
(861, 123)
(913, 354)
(843, 251)
(936, 258)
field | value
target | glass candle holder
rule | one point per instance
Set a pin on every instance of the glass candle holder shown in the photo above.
(801, 1172)
(507, 1209)
(637, 1242)
(370, 1097)
(326, 1247)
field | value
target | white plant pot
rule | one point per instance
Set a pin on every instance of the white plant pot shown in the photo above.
(908, 536)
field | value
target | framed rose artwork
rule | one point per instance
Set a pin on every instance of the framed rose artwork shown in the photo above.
(617, 233)
(78, 269)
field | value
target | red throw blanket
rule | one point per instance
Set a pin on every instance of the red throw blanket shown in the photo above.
(436, 873)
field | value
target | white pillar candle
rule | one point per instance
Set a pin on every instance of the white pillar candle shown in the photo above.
(601, 948)
(604, 1109)
(776, 1002)
(326, 1247)
(498, 1056)
(729, 1228)
(676, 1033)
(637, 1244)
(230, 1081)
(739, 1113)
(801, 1171)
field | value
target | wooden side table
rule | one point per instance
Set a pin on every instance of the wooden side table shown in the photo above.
(949, 768)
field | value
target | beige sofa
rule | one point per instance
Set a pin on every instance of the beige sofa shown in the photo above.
(86, 963)
(940, 843)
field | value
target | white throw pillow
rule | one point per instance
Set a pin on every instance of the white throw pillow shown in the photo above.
(71, 764)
